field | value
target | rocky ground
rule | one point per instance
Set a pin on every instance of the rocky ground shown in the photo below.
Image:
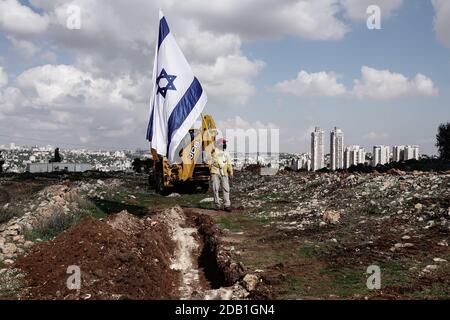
(291, 236)
(315, 235)
(128, 243)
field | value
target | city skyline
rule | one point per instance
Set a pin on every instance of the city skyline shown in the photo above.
(49, 147)
(18, 157)
(342, 156)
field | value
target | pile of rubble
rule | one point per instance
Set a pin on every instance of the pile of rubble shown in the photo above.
(301, 201)
(62, 198)
(343, 221)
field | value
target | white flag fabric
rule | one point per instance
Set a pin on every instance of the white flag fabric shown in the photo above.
(178, 98)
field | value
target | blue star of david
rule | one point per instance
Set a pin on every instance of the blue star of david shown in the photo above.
(169, 86)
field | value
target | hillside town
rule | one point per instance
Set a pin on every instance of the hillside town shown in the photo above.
(18, 158)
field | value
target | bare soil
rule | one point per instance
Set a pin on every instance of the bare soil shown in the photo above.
(123, 258)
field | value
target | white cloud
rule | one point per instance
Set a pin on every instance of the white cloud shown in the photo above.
(24, 48)
(3, 77)
(384, 85)
(65, 99)
(228, 79)
(64, 86)
(116, 38)
(357, 9)
(202, 46)
(17, 18)
(374, 84)
(375, 136)
(442, 20)
(312, 84)
(310, 19)
(49, 57)
(10, 99)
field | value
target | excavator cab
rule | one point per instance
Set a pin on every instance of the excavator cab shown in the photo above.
(192, 173)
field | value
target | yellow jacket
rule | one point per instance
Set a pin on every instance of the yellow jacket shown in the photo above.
(220, 163)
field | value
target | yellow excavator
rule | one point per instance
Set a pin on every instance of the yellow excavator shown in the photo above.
(192, 174)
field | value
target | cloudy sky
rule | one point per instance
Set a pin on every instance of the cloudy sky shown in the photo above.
(289, 64)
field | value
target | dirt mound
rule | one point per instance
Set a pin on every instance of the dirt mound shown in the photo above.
(126, 223)
(123, 258)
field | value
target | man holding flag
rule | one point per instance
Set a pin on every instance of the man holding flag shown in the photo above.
(178, 98)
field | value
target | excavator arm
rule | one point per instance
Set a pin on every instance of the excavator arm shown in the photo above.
(200, 148)
(193, 168)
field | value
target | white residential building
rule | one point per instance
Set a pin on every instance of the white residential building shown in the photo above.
(336, 149)
(398, 153)
(381, 155)
(303, 162)
(317, 149)
(354, 155)
(411, 152)
(403, 153)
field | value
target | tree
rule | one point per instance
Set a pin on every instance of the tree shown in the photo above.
(57, 157)
(140, 165)
(137, 165)
(443, 141)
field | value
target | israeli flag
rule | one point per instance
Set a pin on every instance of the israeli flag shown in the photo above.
(178, 98)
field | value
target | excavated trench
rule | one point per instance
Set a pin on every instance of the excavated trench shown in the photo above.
(208, 264)
(172, 254)
(207, 271)
(207, 260)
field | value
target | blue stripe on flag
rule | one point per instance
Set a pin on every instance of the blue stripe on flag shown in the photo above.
(184, 107)
(150, 126)
(163, 31)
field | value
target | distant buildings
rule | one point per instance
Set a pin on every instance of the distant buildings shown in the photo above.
(398, 153)
(404, 153)
(317, 150)
(341, 157)
(336, 149)
(303, 162)
(381, 155)
(354, 155)
(17, 158)
(411, 152)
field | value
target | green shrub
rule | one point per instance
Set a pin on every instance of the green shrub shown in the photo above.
(54, 225)
(8, 213)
